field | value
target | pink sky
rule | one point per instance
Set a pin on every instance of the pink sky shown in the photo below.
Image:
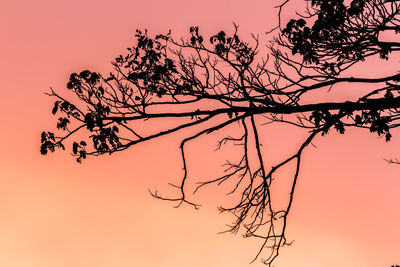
(55, 212)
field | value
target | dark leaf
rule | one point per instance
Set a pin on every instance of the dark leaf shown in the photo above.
(55, 108)
(84, 74)
(75, 148)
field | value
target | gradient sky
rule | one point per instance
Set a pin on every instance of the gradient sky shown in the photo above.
(55, 212)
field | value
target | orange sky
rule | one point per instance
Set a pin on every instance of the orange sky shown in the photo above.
(55, 212)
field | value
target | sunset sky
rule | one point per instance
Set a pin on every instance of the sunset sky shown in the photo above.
(55, 212)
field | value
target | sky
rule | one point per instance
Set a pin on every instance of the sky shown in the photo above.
(55, 212)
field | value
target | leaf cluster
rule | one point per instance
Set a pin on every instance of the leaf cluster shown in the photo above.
(340, 34)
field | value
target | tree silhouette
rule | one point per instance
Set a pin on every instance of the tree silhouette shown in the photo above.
(210, 83)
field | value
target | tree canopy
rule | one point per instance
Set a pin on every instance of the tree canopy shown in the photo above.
(210, 82)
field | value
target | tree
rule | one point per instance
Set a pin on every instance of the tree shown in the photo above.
(208, 84)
